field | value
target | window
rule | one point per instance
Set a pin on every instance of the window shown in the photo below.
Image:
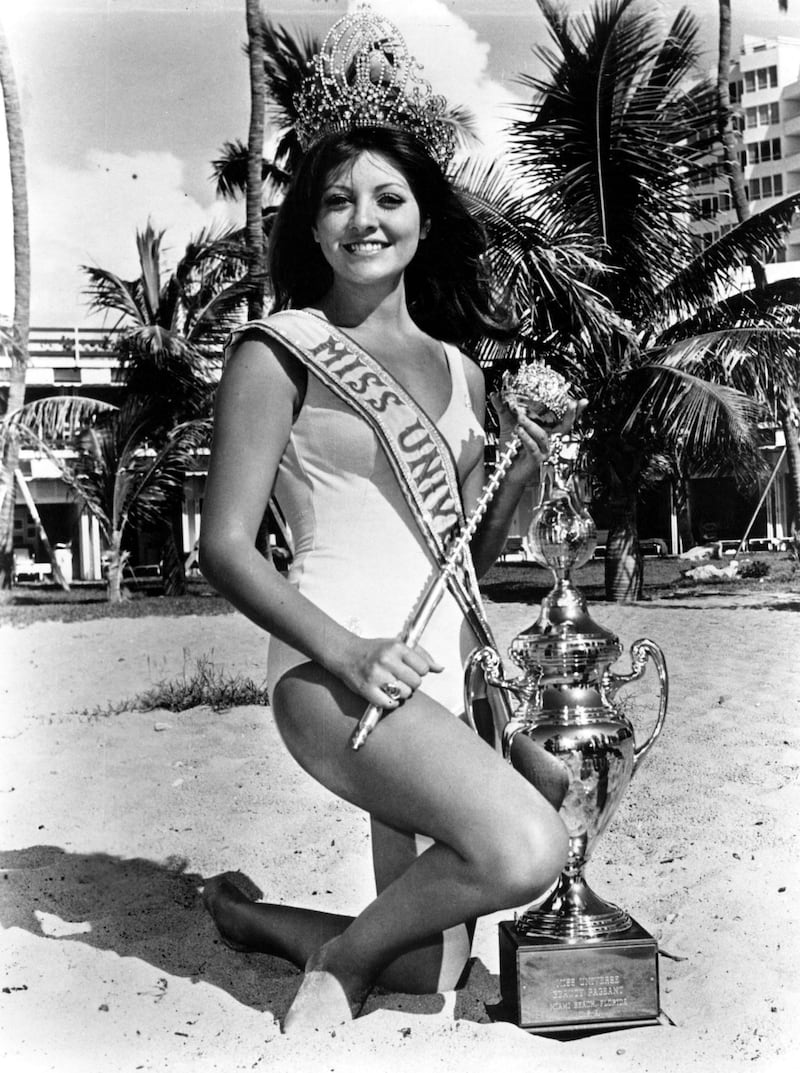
(766, 186)
(763, 78)
(758, 152)
(725, 203)
(763, 115)
(735, 91)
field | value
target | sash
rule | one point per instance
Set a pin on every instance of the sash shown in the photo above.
(420, 458)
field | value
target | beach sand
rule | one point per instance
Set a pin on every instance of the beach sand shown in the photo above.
(110, 822)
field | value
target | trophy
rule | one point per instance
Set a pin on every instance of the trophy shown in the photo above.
(574, 962)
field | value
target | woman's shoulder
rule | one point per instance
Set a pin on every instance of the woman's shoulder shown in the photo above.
(472, 372)
(257, 352)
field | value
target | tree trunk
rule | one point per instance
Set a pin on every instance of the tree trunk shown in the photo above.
(790, 422)
(173, 573)
(117, 558)
(683, 511)
(623, 563)
(727, 134)
(256, 246)
(22, 303)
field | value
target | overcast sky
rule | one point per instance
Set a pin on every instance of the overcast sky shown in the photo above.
(126, 103)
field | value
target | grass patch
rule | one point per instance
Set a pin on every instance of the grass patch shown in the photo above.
(28, 603)
(516, 582)
(208, 685)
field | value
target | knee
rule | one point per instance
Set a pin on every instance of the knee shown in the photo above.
(527, 860)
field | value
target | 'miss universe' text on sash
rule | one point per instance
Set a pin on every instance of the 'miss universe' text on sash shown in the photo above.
(416, 450)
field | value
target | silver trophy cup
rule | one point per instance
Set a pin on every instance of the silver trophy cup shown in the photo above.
(575, 960)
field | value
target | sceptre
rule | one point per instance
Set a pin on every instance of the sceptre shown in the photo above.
(544, 395)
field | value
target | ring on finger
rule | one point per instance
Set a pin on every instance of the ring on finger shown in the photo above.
(393, 690)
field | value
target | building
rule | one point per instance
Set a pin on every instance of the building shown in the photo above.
(82, 362)
(78, 362)
(765, 91)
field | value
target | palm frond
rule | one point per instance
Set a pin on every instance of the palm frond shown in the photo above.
(547, 277)
(56, 419)
(229, 171)
(221, 313)
(704, 277)
(154, 482)
(148, 243)
(108, 292)
(762, 361)
(287, 58)
(464, 124)
(604, 145)
(696, 413)
(776, 305)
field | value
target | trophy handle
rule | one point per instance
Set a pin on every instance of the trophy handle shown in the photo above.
(641, 651)
(492, 720)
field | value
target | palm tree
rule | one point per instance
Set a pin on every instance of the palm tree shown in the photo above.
(173, 322)
(787, 402)
(124, 470)
(173, 325)
(608, 148)
(17, 338)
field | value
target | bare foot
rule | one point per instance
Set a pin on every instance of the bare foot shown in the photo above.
(222, 896)
(324, 1000)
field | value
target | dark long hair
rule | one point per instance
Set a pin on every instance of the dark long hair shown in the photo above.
(448, 287)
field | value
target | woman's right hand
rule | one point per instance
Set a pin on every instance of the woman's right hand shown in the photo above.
(368, 665)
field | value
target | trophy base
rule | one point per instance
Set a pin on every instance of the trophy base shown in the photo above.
(551, 985)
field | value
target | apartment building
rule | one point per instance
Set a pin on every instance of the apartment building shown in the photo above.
(765, 91)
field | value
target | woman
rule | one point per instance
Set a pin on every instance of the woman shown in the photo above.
(375, 246)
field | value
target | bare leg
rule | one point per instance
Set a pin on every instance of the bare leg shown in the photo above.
(297, 934)
(497, 843)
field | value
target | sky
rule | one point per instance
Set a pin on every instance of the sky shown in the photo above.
(126, 103)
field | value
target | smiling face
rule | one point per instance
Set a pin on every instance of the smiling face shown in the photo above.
(368, 225)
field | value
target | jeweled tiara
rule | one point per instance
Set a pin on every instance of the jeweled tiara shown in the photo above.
(364, 76)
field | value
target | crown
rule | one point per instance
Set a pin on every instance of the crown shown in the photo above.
(364, 76)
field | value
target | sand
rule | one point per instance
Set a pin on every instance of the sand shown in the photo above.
(110, 822)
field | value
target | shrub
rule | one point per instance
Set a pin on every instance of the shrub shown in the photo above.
(755, 569)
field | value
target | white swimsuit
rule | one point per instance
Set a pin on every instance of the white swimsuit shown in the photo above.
(357, 551)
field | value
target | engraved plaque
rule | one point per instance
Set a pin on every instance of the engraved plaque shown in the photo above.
(553, 985)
